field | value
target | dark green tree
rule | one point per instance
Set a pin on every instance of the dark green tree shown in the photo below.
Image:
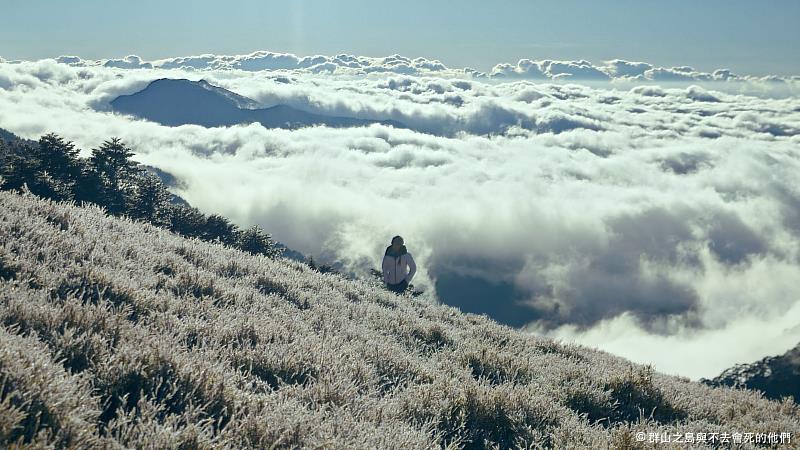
(148, 199)
(52, 168)
(90, 185)
(18, 164)
(255, 240)
(48, 186)
(186, 221)
(59, 158)
(112, 163)
(219, 228)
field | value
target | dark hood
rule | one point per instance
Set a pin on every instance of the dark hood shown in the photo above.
(389, 251)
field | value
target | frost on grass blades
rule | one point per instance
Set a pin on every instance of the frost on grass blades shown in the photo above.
(648, 211)
(115, 332)
(593, 236)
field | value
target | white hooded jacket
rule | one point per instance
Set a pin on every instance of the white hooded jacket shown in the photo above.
(397, 268)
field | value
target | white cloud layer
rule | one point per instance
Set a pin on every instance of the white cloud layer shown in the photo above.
(617, 214)
(582, 70)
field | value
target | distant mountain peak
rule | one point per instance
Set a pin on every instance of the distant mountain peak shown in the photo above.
(178, 101)
(239, 101)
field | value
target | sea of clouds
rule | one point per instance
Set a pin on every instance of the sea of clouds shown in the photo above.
(651, 212)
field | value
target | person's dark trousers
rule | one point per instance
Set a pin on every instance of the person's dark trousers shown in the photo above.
(399, 287)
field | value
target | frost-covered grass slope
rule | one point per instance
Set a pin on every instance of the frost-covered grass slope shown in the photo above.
(115, 333)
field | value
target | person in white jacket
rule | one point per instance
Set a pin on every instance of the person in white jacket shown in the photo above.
(398, 266)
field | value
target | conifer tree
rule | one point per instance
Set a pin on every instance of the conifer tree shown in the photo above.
(59, 158)
(55, 166)
(219, 228)
(18, 165)
(112, 163)
(255, 240)
(149, 199)
(89, 187)
(186, 221)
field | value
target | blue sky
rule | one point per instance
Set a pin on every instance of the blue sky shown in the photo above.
(748, 37)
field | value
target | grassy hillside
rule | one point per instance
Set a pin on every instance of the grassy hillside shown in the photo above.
(119, 334)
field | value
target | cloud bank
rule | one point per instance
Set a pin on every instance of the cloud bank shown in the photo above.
(581, 70)
(611, 214)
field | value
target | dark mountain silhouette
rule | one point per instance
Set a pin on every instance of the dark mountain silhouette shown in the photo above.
(775, 376)
(8, 136)
(174, 102)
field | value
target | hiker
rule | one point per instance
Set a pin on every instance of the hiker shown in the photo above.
(396, 264)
